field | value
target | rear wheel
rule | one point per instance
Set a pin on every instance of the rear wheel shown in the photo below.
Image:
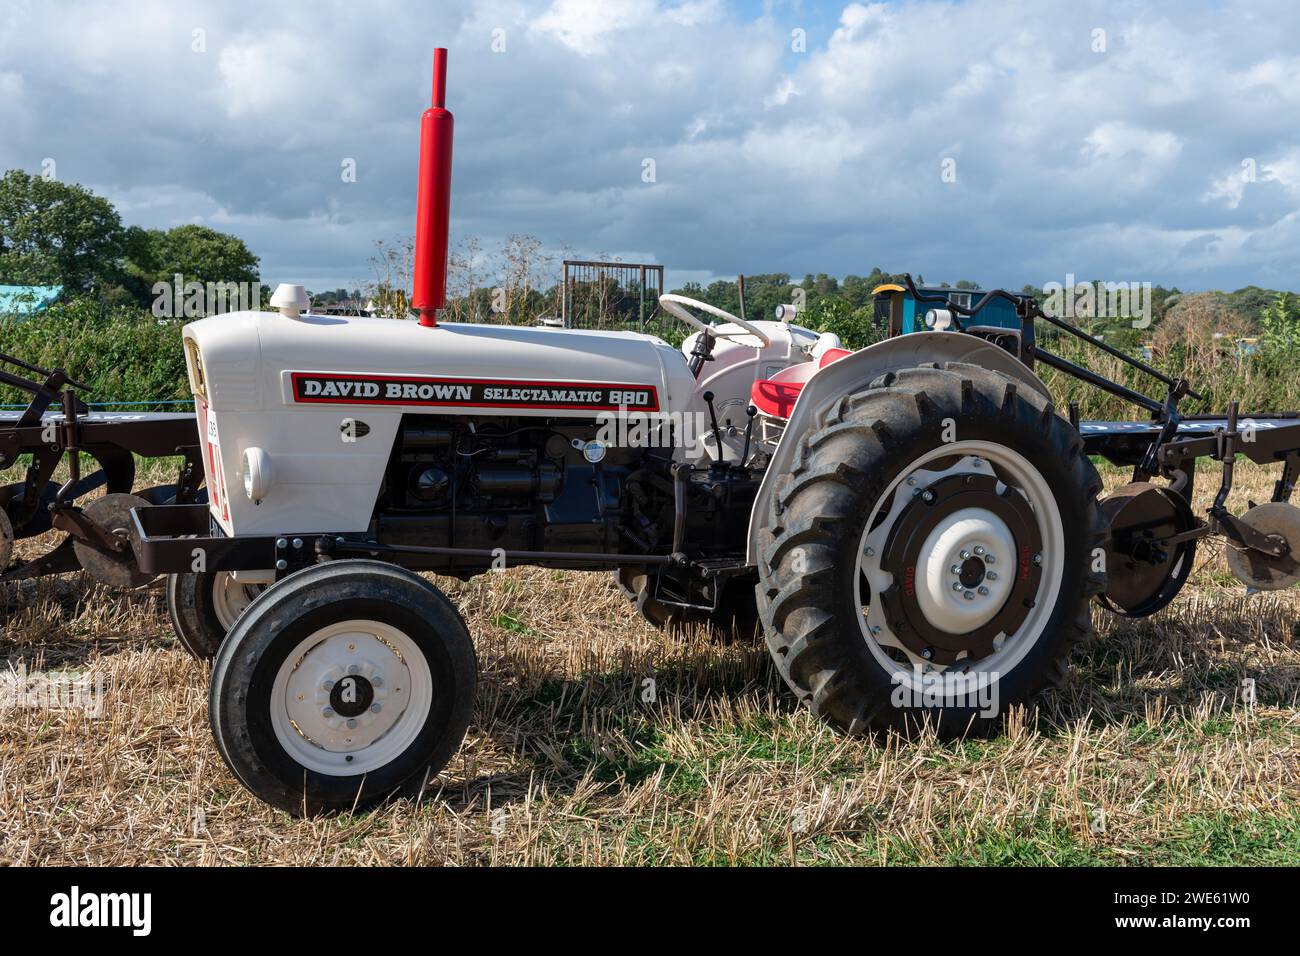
(931, 557)
(345, 684)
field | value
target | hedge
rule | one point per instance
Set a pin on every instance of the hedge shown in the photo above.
(125, 355)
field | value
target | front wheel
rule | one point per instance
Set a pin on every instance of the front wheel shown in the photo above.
(345, 684)
(204, 606)
(931, 557)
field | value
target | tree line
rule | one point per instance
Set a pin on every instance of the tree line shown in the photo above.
(55, 233)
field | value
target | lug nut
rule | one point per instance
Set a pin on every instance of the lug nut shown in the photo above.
(327, 685)
(956, 585)
(983, 589)
(911, 480)
(928, 653)
(991, 575)
(377, 680)
(352, 723)
(927, 496)
(964, 555)
(989, 559)
(979, 550)
(969, 595)
(955, 569)
(1038, 560)
(327, 713)
(353, 668)
(375, 708)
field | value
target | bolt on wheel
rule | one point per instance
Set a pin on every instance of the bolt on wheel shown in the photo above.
(343, 685)
(911, 577)
(940, 600)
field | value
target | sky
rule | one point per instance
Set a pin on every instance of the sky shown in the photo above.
(1003, 142)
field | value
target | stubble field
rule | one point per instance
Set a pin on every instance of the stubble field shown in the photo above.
(1153, 756)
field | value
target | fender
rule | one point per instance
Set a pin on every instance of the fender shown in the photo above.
(852, 373)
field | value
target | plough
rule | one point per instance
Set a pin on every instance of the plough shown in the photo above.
(57, 426)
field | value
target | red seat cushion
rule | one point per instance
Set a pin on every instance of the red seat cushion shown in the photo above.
(775, 398)
(832, 355)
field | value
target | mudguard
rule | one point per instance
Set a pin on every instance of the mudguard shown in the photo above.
(852, 373)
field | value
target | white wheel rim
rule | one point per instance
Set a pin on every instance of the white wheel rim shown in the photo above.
(347, 658)
(230, 598)
(963, 530)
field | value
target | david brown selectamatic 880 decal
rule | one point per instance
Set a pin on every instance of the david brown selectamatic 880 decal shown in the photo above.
(346, 388)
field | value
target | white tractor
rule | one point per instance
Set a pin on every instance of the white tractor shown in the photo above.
(908, 517)
(913, 526)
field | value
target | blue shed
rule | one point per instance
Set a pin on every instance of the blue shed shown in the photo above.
(25, 300)
(899, 313)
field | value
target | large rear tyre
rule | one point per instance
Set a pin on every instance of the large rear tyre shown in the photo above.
(343, 685)
(931, 557)
(204, 606)
(735, 619)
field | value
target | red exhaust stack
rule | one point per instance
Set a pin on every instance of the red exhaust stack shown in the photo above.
(433, 200)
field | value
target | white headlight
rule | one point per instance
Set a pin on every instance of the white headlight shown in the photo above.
(257, 473)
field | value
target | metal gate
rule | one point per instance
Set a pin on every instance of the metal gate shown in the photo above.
(610, 295)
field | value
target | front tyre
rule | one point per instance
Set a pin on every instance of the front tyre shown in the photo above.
(345, 684)
(931, 557)
(204, 606)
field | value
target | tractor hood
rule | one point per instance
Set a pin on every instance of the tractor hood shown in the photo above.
(302, 411)
(264, 360)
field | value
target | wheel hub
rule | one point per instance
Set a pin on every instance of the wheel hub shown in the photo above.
(971, 572)
(961, 553)
(352, 696)
(347, 692)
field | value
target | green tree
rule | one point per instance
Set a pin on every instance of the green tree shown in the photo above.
(57, 233)
(855, 327)
(197, 253)
(1280, 329)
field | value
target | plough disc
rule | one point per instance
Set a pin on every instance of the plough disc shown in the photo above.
(1263, 571)
(1143, 575)
(112, 514)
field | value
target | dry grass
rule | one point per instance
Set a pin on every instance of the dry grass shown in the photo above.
(1151, 757)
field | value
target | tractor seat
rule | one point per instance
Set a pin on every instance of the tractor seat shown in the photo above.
(776, 396)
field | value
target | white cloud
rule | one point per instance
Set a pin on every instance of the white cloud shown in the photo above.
(1124, 164)
(586, 26)
(263, 73)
